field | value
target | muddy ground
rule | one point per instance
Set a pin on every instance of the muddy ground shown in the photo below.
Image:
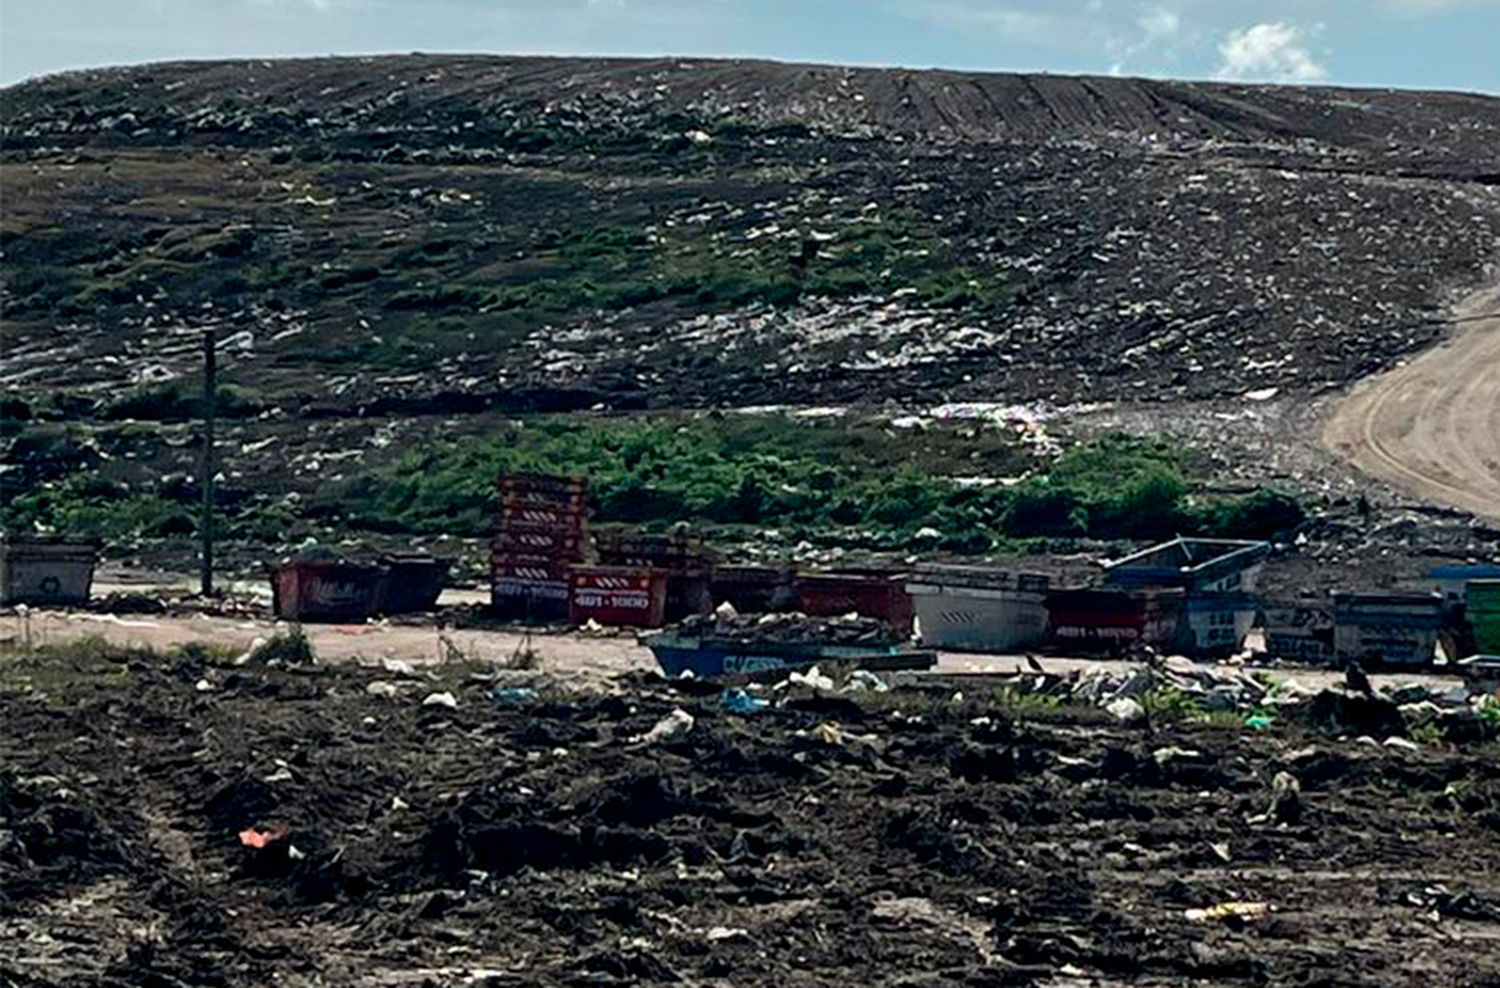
(913, 838)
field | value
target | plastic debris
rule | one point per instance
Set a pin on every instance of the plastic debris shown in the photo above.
(513, 696)
(676, 723)
(260, 837)
(813, 679)
(737, 701)
(1242, 911)
(444, 699)
(1127, 710)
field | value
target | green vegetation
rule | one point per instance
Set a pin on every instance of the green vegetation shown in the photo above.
(857, 483)
(181, 401)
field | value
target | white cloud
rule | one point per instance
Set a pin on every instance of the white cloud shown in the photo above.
(1273, 51)
(1159, 22)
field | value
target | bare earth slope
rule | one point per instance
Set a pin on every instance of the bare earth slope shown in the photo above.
(1432, 426)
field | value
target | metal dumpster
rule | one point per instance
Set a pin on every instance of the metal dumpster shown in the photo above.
(1115, 622)
(413, 582)
(46, 572)
(618, 596)
(530, 590)
(1387, 629)
(1482, 605)
(327, 590)
(1300, 631)
(979, 609)
(874, 594)
(755, 589)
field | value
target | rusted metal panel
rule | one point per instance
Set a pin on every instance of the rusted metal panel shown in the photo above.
(43, 573)
(879, 595)
(618, 596)
(327, 590)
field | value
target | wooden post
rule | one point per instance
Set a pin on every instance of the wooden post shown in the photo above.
(206, 480)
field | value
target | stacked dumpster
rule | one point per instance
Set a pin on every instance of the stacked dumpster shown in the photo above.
(540, 534)
(684, 562)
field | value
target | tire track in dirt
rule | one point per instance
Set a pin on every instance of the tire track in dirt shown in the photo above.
(1432, 426)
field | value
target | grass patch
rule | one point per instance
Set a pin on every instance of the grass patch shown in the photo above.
(806, 478)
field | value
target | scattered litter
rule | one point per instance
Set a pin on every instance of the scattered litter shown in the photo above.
(258, 837)
(1127, 710)
(1241, 911)
(513, 696)
(676, 723)
(737, 701)
(443, 699)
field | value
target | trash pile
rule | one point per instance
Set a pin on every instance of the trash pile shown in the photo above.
(1178, 686)
(791, 628)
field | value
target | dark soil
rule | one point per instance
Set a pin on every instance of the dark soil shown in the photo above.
(923, 840)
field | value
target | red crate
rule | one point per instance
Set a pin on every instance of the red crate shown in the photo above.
(617, 596)
(539, 516)
(539, 542)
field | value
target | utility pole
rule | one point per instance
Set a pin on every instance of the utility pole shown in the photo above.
(206, 480)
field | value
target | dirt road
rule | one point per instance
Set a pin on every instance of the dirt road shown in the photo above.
(1432, 426)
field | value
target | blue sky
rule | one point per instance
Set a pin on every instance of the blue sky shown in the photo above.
(1449, 44)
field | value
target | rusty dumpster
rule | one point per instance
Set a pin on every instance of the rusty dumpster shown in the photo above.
(327, 590)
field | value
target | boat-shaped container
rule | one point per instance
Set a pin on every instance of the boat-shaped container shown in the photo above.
(712, 658)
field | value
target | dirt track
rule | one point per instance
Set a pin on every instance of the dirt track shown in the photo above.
(1432, 426)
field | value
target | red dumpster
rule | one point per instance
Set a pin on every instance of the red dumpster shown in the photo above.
(1115, 622)
(877, 594)
(618, 596)
(327, 590)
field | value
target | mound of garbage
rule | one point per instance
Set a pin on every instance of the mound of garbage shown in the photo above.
(790, 628)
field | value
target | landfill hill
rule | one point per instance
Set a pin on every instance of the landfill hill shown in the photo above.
(409, 234)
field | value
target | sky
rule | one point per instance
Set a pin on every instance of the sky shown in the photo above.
(1427, 44)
